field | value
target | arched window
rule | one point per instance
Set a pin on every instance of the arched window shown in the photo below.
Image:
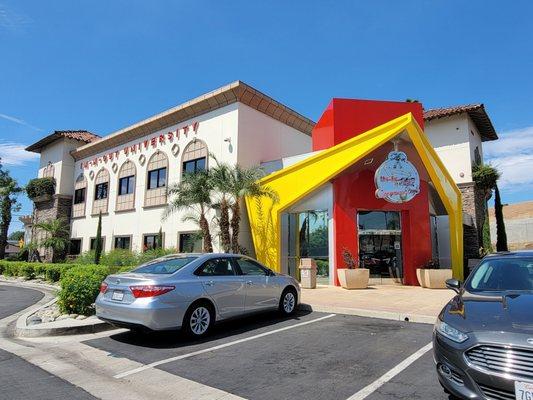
(80, 196)
(48, 171)
(101, 192)
(126, 187)
(194, 157)
(156, 180)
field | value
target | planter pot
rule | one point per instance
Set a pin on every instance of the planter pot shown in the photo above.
(353, 278)
(433, 278)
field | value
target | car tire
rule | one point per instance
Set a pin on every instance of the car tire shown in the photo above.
(198, 319)
(288, 301)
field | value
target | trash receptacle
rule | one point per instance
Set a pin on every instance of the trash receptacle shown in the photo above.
(308, 273)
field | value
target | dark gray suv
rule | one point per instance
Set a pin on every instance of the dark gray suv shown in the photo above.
(483, 338)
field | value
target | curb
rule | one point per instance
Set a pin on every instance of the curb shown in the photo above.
(393, 316)
(62, 327)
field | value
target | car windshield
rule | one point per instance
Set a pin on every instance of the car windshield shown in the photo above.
(165, 266)
(509, 274)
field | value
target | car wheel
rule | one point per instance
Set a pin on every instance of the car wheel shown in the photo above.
(198, 320)
(287, 302)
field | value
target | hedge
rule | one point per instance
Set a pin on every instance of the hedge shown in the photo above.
(40, 186)
(79, 287)
(48, 271)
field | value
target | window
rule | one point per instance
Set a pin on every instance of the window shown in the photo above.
(216, 267)
(190, 242)
(502, 274)
(378, 220)
(249, 267)
(93, 243)
(151, 242)
(75, 247)
(166, 266)
(100, 191)
(123, 242)
(126, 185)
(157, 178)
(79, 196)
(193, 166)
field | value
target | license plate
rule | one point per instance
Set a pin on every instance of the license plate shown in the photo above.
(523, 390)
(117, 295)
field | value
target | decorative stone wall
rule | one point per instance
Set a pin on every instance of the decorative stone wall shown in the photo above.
(474, 204)
(54, 207)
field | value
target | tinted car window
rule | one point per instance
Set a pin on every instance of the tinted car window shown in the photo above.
(167, 266)
(216, 267)
(502, 275)
(249, 267)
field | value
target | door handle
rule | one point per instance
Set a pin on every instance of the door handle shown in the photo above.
(249, 283)
(209, 283)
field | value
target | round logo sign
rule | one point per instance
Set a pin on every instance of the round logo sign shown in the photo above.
(397, 180)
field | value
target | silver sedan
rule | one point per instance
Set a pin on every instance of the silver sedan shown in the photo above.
(192, 291)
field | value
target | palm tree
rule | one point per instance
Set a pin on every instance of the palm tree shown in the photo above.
(193, 194)
(220, 176)
(9, 189)
(57, 237)
(244, 182)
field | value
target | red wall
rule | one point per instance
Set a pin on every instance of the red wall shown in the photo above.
(355, 189)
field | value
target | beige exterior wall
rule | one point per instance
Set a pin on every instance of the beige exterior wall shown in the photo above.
(234, 133)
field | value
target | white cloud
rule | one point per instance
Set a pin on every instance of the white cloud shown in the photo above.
(18, 121)
(12, 20)
(512, 154)
(14, 154)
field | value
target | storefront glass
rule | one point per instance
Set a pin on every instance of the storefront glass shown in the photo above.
(380, 239)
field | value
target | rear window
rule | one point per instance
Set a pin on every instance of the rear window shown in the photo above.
(167, 266)
(512, 274)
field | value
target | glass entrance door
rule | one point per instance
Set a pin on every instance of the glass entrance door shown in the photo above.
(380, 239)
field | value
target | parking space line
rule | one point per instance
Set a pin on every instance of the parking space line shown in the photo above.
(220, 346)
(368, 390)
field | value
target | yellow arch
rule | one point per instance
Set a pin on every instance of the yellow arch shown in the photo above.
(297, 181)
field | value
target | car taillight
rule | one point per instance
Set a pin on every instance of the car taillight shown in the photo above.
(150, 290)
(103, 287)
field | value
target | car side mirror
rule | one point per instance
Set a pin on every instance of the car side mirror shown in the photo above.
(453, 284)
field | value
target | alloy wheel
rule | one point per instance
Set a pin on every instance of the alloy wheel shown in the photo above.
(200, 320)
(289, 302)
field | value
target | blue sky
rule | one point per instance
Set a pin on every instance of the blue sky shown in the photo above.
(102, 65)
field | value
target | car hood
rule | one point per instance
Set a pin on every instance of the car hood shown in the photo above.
(508, 312)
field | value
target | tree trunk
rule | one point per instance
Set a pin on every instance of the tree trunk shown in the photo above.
(235, 226)
(204, 226)
(224, 226)
(501, 235)
(4, 224)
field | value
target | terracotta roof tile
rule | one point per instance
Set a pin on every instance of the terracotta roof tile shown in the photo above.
(79, 134)
(476, 112)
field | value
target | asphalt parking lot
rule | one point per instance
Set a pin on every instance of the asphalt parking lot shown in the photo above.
(312, 356)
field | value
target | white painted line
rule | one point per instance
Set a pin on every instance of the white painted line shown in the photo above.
(368, 390)
(220, 346)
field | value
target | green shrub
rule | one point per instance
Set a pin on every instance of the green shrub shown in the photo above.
(79, 287)
(150, 255)
(119, 258)
(322, 267)
(40, 187)
(27, 270)
(11, 268)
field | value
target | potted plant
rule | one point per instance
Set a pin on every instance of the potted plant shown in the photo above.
(431, 276)
(352, 277)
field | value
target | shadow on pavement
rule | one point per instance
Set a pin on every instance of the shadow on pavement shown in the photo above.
(176, 339)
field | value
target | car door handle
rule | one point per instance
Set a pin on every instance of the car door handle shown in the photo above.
(249, 283)
(209, 283)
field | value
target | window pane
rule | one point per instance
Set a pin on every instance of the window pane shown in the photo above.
(100, 191)
(167, 266)
(75, 247)
(248, 267)
(152, 179)
(200, 165)
(122, 242)
(188, 167)
(190, 242)
(217, 267)
(93, 243)
(79, 196)
(131, 184)
(162, 177)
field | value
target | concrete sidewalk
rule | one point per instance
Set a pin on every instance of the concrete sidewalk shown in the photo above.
(396, 302)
